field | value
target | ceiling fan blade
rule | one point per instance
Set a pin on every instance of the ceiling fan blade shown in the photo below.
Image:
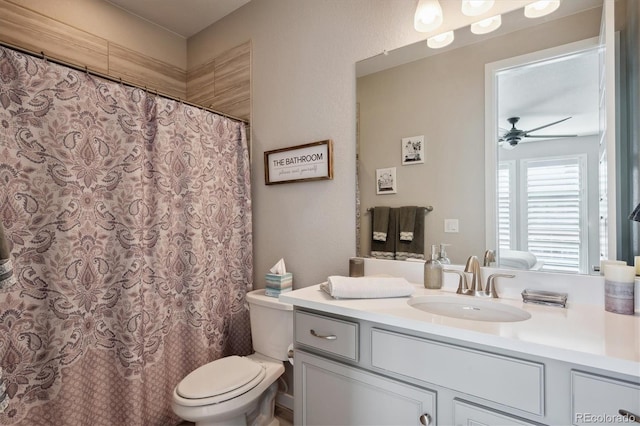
(550, 136)
(547, 125)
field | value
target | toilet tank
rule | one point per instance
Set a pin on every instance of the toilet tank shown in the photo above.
(271, 325)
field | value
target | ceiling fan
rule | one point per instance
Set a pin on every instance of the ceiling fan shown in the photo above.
(513, 136)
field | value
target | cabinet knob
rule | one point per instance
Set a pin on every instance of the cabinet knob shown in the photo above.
(629, 416)
(322, 336)
(425, 419)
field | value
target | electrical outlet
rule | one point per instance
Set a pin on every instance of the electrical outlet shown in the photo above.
(451, 225)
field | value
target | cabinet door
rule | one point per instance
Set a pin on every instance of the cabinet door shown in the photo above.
(600, 400)
(330, 393)
(472, 415)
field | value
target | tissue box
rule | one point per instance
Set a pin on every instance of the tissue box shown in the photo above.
(275, 292)
(276, 281)
(278, 284)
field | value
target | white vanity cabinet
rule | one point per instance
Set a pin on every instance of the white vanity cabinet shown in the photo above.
(600, 400)
(331, 393)
(349, 371)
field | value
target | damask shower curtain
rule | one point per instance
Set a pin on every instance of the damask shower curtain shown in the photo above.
(128, 219)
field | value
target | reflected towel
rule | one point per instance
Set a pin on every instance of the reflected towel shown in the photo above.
(413, 249)
(406, 222)
(340, 287)
(515, 259)
(380, 223)
(385, 249)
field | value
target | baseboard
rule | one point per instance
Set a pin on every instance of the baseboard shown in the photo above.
(285, 400)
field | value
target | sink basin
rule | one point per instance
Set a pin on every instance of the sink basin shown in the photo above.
(469, 307)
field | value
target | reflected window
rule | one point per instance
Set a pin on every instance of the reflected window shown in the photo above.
(548, 218)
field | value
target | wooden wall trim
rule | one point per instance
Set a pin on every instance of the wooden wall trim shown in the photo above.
(30, 30)
(223, 83)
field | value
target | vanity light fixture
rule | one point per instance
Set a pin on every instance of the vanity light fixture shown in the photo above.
(428, 16)
(476, 7)
(487, 25)
(440, 40)
(541, 8)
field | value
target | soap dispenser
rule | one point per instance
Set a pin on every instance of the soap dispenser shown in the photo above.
(442, 257)
(433, 270)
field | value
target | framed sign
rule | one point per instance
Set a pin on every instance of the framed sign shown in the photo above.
(312, 161)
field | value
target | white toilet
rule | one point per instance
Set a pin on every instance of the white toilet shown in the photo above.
(241, 390)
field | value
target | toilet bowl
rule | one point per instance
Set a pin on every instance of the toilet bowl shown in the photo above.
(237, 390)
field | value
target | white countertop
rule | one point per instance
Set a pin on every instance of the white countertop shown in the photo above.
(580, 334)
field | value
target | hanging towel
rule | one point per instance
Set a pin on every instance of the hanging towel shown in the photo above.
(406, 222)
(384, 249)
(6, 268)
(371, 287)
(413, 249)
(380, 223)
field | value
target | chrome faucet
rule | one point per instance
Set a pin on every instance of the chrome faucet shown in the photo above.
(491, 286)
(473, 267)
(475, 289)
(462, 283)
(489, 258)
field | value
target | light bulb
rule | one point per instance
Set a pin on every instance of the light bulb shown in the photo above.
(428, 16)
(487, 25)
(541, 8)
(476, 7)
(440, 40)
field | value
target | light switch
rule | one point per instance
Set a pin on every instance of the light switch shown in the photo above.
(451, 225)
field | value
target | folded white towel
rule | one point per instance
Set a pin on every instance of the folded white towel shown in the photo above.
(340, 287)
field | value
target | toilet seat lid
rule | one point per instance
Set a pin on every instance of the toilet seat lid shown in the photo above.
(224, 378)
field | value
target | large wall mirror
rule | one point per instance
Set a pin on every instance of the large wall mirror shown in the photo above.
(440, 94)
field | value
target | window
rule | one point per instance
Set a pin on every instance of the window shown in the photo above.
(506, 200)
(548, 217)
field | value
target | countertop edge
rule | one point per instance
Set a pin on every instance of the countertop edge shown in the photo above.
(576, 357)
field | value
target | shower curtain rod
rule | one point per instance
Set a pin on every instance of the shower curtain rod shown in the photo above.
(117, 80)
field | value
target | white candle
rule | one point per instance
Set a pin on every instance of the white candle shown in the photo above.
(619, 273)
(619, 288)
(605, 262)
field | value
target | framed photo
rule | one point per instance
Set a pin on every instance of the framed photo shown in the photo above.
(386, 181)
(413, 150)
(312, 161)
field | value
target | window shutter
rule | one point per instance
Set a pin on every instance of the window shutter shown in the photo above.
(554, 213)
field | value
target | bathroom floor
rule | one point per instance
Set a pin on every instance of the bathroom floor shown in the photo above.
(282, 414)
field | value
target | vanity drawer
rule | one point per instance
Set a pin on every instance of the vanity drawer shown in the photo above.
(508, 381)
(598, 400)
(470, 414)
(330, 335)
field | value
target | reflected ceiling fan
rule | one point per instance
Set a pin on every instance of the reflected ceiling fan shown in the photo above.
(513, 136)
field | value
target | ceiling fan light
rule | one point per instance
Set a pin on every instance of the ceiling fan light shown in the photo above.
(476, 7)
(428, 16)
(541, 8)
(487, 25)
(440, 40)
